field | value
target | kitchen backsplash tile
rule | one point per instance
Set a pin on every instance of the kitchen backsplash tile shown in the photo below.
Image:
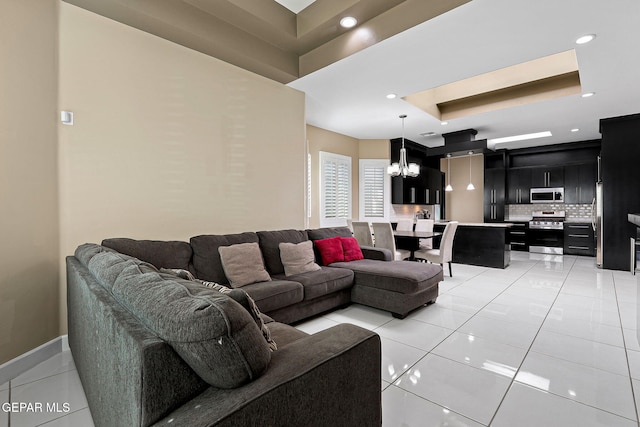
(572, 211)
(409, 211)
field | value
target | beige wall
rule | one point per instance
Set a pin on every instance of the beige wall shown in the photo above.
(461, 204)
(28, 175)
(169, 143)
(374, 149)
(332, 142)
(324, 140)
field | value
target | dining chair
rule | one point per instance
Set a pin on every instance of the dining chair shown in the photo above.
(445, 252)
(385, 239)
(362, 233)
(404, 225)
(425, 225)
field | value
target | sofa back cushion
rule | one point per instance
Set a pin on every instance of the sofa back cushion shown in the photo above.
(169, 254)
(270, 247)
(327, 233)
(206, 258)
(214, 334)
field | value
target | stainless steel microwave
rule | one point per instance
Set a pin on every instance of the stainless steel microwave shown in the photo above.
(547, 195)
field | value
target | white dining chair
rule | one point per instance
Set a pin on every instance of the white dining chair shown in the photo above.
(445, 252)
(404, 225)
(385, 239)
(425, 225)
(362, 233)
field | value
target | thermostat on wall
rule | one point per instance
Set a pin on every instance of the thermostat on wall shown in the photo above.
(66, 117)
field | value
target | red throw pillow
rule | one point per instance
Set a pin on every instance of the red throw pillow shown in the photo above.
(330, 250)
(351, 249)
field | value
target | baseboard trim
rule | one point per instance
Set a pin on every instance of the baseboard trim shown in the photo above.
(14, 367)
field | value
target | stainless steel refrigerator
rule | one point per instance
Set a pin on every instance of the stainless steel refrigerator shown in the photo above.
(596, 212)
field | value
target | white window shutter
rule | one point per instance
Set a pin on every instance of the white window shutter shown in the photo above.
(374, 190)
(335, 189)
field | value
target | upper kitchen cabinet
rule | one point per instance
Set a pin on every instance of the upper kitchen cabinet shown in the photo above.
(547, 177)
(494, 191)
(518, 185)
(579, 182)
(407, 191)
(425, 189)
(433, 186)
(494, 187)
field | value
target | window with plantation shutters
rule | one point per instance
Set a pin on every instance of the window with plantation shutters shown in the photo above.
(374, 190)
(335, 189)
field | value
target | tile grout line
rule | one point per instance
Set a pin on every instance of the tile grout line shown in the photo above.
(513, 379)
(626, 354)
(456, 330)
(554, 394)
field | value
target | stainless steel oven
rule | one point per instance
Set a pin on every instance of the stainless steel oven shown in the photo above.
(546, 232)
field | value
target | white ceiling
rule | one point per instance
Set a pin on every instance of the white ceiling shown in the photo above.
(349, 96)
(295, 6)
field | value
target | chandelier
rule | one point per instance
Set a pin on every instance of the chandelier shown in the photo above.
(403, 168)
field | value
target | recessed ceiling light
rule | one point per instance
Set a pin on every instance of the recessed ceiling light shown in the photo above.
(588, 94)
(348, 22)
(575, 130)
(444, 123)
(520, 137)
(391, 96)
(427, 134)
(585, 39)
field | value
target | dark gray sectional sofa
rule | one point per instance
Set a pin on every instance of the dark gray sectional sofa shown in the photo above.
(154, 349)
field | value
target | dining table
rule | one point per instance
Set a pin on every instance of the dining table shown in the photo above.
(410, 240)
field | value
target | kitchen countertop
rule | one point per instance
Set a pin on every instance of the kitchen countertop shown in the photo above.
(585, 220)
(481, 224)
(634, 219)
(519, 218)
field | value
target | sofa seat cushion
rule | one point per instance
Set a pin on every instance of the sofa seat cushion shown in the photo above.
(275, 294)
(210, 331)
(397, 276)
(170, 254)
(322, 282)
(206, 258)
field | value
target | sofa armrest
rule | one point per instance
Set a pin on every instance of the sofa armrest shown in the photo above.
(332, 377)
(379, 254)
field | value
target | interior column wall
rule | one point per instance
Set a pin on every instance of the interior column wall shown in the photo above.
(29, 257)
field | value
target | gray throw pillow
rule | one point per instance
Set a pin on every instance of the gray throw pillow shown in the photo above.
(243, 264)
(298, 258)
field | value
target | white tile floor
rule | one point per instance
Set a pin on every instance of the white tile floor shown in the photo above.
(549, 341)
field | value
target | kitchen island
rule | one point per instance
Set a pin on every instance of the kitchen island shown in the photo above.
(484, 244)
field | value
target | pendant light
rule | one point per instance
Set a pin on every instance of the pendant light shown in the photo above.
(470, 186)
(448, 187)
(403, 168)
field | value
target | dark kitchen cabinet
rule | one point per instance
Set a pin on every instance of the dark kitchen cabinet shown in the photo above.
(620, 177)
(518, 236)
(433, 186)
(579, 239)
(424, 189)
(518, 185)
(494, 195)
(579, 182)
(407, 191)
(547, 177)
